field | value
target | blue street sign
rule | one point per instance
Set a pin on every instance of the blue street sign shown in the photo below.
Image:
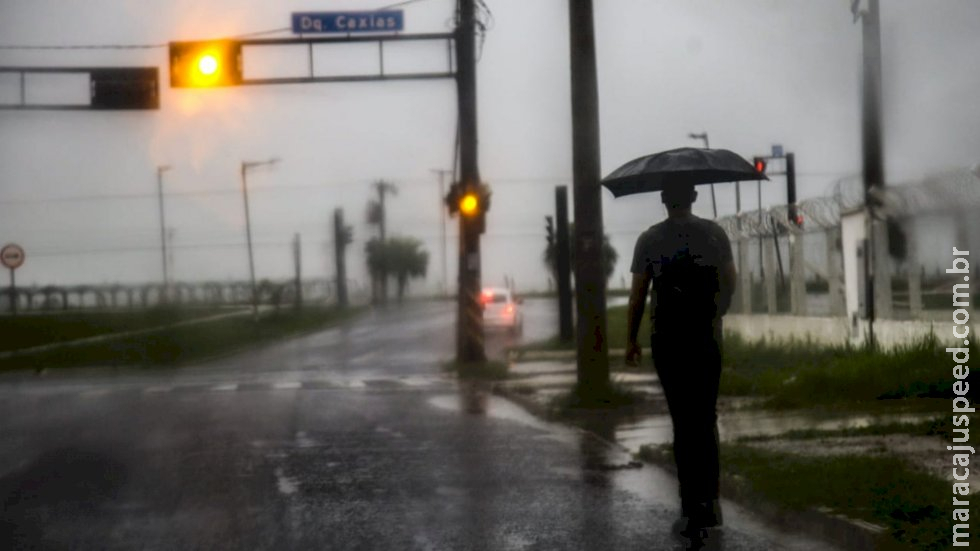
(348, 21)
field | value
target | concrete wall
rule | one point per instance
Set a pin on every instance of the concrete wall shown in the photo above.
(837, 331)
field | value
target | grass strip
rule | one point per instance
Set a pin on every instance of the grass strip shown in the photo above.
(804, 374)
(30, 330)
(178, 345)
(915, 507)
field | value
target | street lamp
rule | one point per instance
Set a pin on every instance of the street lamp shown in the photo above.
(704, 136)
(163, 234)
(246, 165)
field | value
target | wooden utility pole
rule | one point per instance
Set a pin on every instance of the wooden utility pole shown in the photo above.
(469, 324)
(590, 281)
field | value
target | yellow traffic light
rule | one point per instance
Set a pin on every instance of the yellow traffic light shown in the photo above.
(469, 204)
(205, 64)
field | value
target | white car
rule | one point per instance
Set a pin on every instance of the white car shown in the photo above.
(501, 310)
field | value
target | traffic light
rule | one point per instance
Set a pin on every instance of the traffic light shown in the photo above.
(205, 64)
(760, 164)
(474, 202)
(469, 204)
(549, 227)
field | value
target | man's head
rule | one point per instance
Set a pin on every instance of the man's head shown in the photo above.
(678, 197)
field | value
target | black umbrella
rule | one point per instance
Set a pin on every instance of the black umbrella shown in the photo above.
(686, 165)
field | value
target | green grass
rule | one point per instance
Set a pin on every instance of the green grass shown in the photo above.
(805, 375)
(26, 331)
(915, 507)
(177, 345)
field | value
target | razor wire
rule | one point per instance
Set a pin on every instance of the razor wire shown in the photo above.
(950, 191)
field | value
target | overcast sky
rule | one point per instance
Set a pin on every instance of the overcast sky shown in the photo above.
(78, 189)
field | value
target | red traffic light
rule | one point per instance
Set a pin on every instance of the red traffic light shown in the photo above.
(760, 165)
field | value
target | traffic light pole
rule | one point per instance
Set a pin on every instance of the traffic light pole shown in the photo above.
(590, 281)
(469, 326)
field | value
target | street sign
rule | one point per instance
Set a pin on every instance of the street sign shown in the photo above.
(12, 256)
(777, 151)
(348, 21)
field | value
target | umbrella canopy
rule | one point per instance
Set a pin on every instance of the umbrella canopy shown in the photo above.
(686, 165)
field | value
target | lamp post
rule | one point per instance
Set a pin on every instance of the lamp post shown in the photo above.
(704, 136)
(246, 165)
(163, 232)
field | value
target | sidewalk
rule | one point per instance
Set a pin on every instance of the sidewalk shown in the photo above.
(538, 377)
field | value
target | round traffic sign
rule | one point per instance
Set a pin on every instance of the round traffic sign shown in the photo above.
(12, 256)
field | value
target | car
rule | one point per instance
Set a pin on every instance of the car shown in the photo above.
(501, 310)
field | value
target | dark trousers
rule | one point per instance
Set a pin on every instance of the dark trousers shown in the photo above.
(689, 367)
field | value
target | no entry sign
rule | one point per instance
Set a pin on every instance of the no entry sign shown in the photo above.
(12, 256)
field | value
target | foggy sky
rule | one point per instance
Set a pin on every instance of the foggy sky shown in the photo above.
(78, 189)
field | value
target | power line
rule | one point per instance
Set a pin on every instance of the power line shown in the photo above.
(397, 4)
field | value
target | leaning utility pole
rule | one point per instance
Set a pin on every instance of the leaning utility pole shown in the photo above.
(469, 323)
(590, 281)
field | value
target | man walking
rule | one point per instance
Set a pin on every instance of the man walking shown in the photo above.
(689, 262)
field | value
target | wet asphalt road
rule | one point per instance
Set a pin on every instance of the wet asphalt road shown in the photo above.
(351, 438)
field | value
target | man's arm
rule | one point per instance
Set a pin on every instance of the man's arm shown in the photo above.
(634, 316)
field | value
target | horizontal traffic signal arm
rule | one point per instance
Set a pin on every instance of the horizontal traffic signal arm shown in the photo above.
(110, 88)
(186, 71)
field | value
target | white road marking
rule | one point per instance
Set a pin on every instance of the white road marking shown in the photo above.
(287, 385)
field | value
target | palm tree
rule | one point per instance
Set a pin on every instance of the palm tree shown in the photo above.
(400, 257)
(609, 254)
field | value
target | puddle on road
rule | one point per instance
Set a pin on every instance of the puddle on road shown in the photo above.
(286, 485)
(489, 405)
(657, 429)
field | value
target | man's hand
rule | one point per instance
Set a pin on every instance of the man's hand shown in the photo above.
(633, 354)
